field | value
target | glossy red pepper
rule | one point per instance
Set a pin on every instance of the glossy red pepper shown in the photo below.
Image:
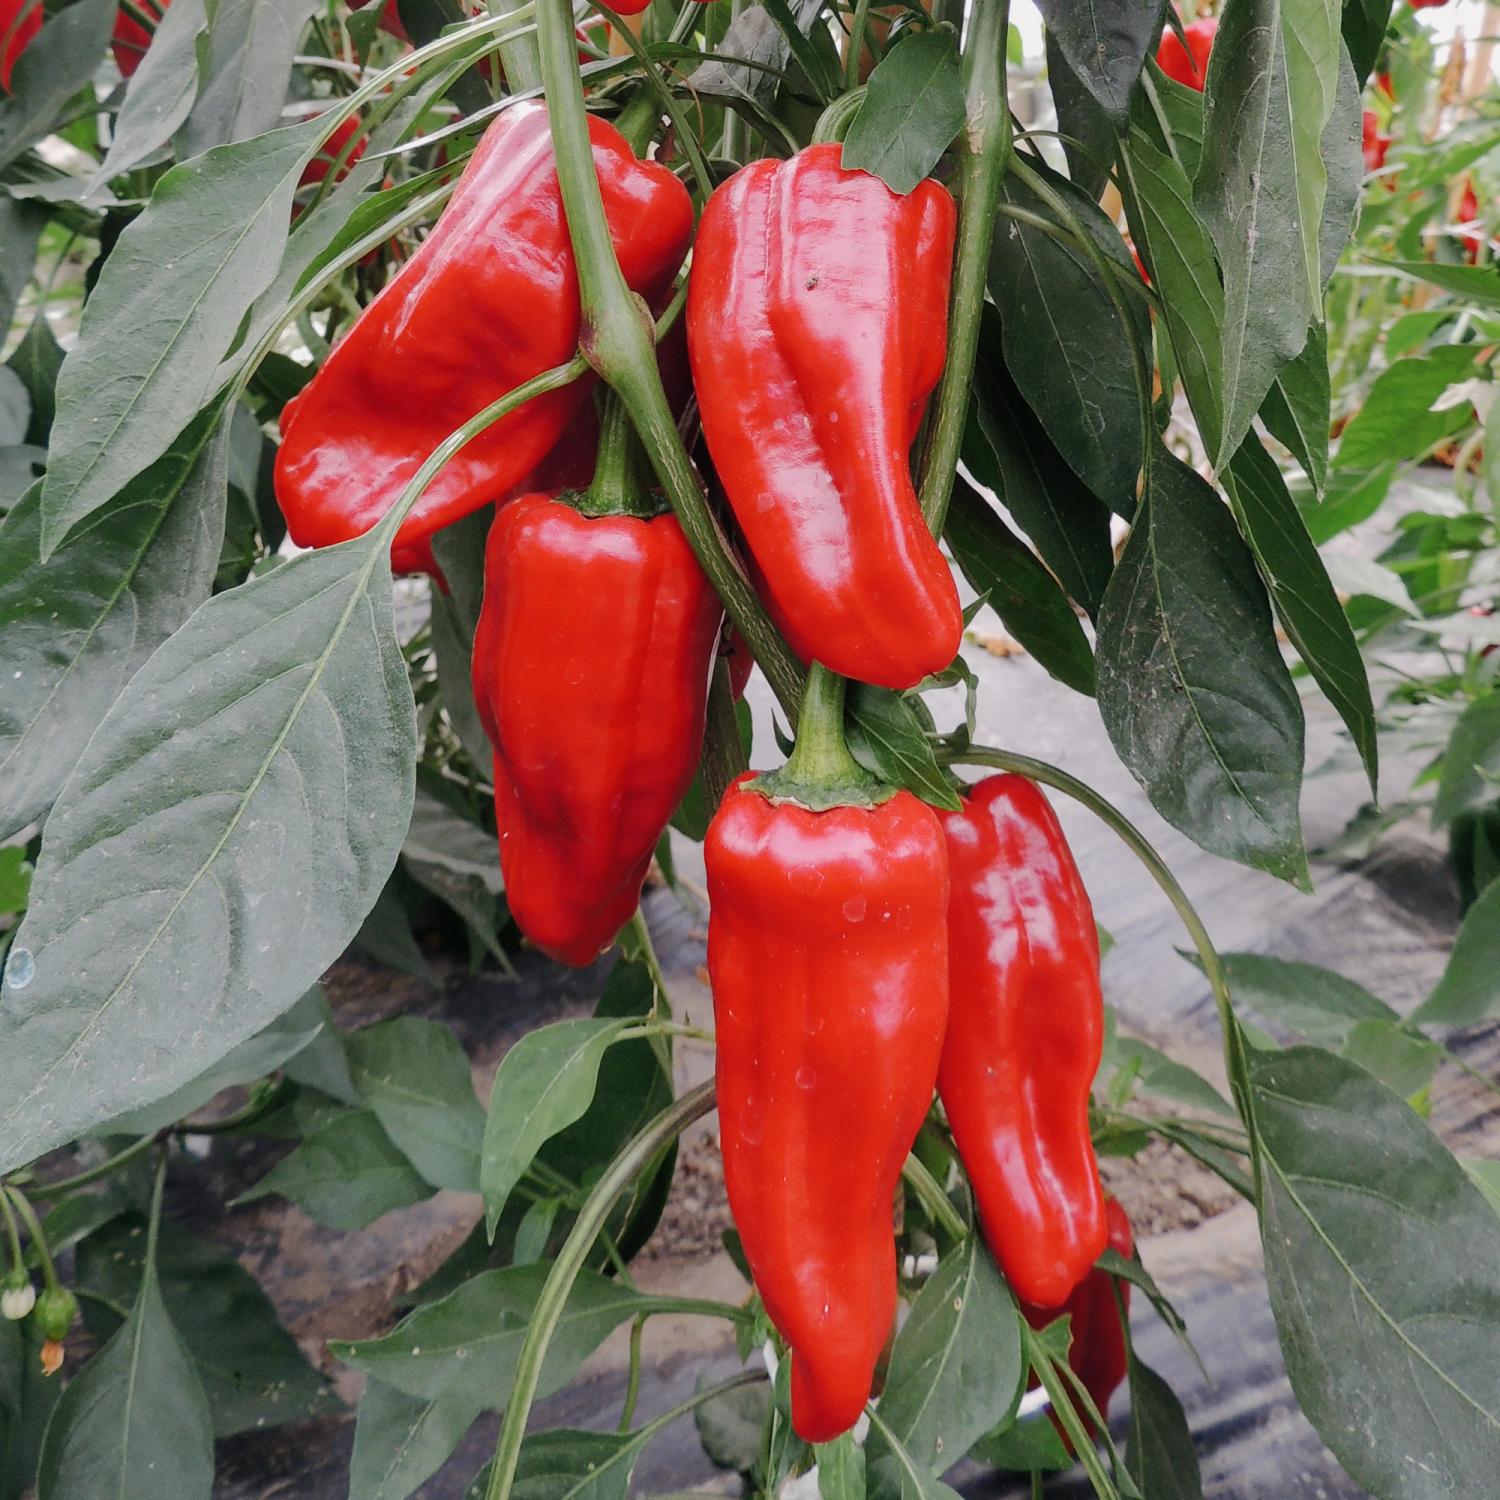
(1375, 143)
(132, 37)
(1025, 1033)
(828, 955)
(1468, 213)
(20, 20)
(817, 327)
(488, 301)
(591, 665)
(333, 151)
(1188, 65)
(1427, 4)
(1097, 1353)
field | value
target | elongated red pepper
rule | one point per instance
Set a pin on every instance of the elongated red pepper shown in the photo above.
(817, 327)
(1025, 1032)
(131, 37)
(828, 954)
(1097, 1352)
(1188, 65)
(1374, 141)
(20, 20)
(591, 665)
(488, 301)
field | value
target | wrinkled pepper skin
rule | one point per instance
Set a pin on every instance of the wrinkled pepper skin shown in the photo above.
(827, 952)
(817, 328)
(591, 665)
(1097, 1353)
(1188, 65)
(488, 301)
(1025, 1033)
(20, 20)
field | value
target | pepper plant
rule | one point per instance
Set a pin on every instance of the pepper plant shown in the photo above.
(359, 276)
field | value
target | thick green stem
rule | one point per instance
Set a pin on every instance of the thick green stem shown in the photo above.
(666, 1127)
(856, 43)
(622, 484)
(61, 1185)
(523, 68)
(618, 343)
(1063, 1408)
(12, 1233)
(34, 1233)
(986, 143)
(820, 756)
(833, 124)
(934, 1199)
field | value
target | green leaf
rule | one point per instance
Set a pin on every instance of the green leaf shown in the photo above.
(1007, 450)
(160, 94)
(1105, 43)
(567, 1464)
(891, 1473)
(1091, 148)
(1065, 343)
(956, 1367)
(37, 359)
(249, 63)
(1028, 599)
(21, 226)
(61, 59)
(841, 1469)
(886, 737)
(134, 1424)
(1297, 410)
(1401, 1061)
(401, 1441)
(253, 1374)
(545, 1083)
(1469, 989)
(413, 1076)
(260, 766)
(322, 1064)
(1302, 593)
(1158, 1074)
(1485, 1175)
(1471, 763)
(1397, 420)
(460, 553)
(1176, 247)
(1261, 184)
(731, 1425)
(1364, 26)
(73, 630)
(456, 860)
(1159, 1453)
(1477, 284)
(1380, 1257)
(150, 344)
(468, 1343)
(346, 1174)
(1192, 687)
(1313, 1002)
(15, 879)
(913, 107)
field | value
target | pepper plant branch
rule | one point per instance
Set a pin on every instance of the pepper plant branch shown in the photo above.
(103, 1169)
(856, 43)
(522, 66)
(617, 342)
(930, 1191)
(35, 1235)
(1062, 1406)
(723, 750)
(986, 148)
(565, 1268)
(736, 128)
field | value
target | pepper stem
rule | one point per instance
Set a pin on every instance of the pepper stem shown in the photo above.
(623, 483)
(821, 772)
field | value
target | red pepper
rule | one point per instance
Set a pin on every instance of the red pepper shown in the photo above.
(591, 666)
(1375, 142)
(131, 37)
(20, 20)
(1097, 1352)
(1427, 4)
(1468, 213)
(741, 663)
(332, 149)
(488, 301)
(817, 327)
(828, 954)
(1025, 1032)
(1188, 65)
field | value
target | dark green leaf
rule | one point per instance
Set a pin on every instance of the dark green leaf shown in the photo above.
(566, 1464)
(261, 766)
(1302, 592)
(886, 737)
(346, 1174)
(21, 226)
(1471, 763)
(401, 1441)
(1469, 989)
(37, 359)
(61, 59)
(891, 1473)
(1026, 1447)
(1159, 1453)
(1364, 23)
(1007, 450)
(1380, 1256)
(134, 1424)
(150, 344)
(385, 935)
(1105, 43)
(912, 109)
(469, 1342)
(1079, 116)
(1261, 185)
(456, 861)
(841, 1469)
(74, 629)
(27, 1398)
(1296, 411)
(1313, 1002)
(1065, 343)
(731, 1425)
(1397, 420)
(321, 1064)
(413, 1076)
(755, 38)
(1028, 599)
(252, 1371)
(545, 1083)
(1192, 687)
(1352, 496)
(1343, 157)
(956, 1367)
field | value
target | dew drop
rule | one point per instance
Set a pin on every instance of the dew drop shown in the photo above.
(21, 969)
(855, 908)
(806, 1078)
